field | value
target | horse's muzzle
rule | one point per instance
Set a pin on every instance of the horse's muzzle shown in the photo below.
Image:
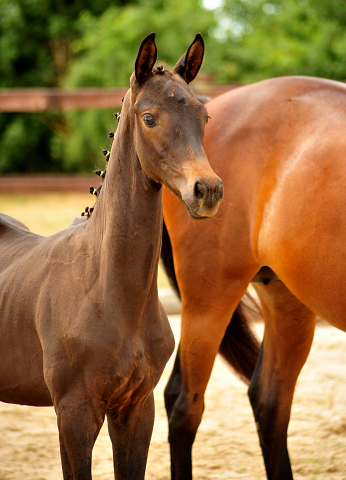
(207, 196)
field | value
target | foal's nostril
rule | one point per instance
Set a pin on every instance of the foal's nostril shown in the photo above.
(200, 190)
(209, 193)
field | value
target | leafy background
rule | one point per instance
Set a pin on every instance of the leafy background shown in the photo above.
(72, 44)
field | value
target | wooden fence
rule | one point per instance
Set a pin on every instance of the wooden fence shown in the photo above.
(41, 99)
(28, 184)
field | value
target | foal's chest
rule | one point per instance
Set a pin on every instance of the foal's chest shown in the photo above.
(142, 359)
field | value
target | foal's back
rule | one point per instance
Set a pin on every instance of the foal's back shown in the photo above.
(15, 240)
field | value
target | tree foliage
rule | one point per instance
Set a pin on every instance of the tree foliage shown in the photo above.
(36, 39)
(261, 39)
(108, 44)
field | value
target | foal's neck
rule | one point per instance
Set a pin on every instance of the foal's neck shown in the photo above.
(127, 219)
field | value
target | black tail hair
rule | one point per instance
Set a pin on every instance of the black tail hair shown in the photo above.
(167, 259)
(239, 347)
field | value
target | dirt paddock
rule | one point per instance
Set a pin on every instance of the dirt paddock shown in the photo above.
(226, 446)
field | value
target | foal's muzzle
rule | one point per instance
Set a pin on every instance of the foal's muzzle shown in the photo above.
(206, 198)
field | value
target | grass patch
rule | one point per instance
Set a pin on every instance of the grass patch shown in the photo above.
(45, 214)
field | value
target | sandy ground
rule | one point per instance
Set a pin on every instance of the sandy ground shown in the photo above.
(226, 446)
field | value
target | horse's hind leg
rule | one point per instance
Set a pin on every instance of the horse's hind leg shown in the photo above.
(289, 331)
(202, 331)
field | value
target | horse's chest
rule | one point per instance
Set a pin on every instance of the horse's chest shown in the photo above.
(140, 364)
(118, 361)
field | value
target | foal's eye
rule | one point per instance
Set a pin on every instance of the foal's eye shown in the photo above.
(207, 118)
(149, 120)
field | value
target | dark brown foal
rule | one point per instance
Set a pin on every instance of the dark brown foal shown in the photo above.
(81, 324)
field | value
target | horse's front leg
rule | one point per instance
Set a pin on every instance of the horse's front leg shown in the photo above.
(289, 331)
(80, 419)
(130, 431)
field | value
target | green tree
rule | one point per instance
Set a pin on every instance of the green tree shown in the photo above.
(260, 39)
(35, 45)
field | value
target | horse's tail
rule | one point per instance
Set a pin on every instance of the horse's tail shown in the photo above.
(239, 346)
(167, 259)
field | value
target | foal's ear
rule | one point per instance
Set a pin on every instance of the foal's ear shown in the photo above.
(190, 63)
(146, 58)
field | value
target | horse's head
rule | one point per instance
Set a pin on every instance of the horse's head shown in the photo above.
(169, 128)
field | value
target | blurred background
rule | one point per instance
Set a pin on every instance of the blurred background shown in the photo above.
(71, 44)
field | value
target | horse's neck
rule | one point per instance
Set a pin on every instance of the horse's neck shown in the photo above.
(126, 222)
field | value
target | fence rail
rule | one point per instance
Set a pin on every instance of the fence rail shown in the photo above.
(41, 99)
(28, 184)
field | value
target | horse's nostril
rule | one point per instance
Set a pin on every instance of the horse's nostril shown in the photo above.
(221, 192)
(200, 190)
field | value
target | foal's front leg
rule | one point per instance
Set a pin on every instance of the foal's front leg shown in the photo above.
(130, 431)
(79, 421)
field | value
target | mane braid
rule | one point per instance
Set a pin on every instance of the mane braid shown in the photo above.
(100, 173)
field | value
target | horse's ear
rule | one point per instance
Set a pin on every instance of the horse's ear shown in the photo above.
(146, 58)
(190, 63)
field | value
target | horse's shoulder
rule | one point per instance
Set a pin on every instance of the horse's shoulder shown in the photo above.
(8, 224)
(13, 231)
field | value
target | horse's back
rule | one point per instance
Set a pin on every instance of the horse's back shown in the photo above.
(283, 156)
(15, 240)
(279, 146)
(7, 222)
(261, 114)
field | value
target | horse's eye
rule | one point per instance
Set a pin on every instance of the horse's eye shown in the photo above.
(149, 120)
(207, 118)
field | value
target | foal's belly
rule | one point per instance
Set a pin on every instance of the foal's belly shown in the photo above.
(21, 359)
(21, 376)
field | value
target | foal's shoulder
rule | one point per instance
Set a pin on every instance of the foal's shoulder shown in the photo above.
(8, 223)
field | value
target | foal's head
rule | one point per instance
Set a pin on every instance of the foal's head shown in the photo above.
(169, 128)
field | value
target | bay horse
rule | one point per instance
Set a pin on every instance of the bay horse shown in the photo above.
(81, 324)
(280, 147)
